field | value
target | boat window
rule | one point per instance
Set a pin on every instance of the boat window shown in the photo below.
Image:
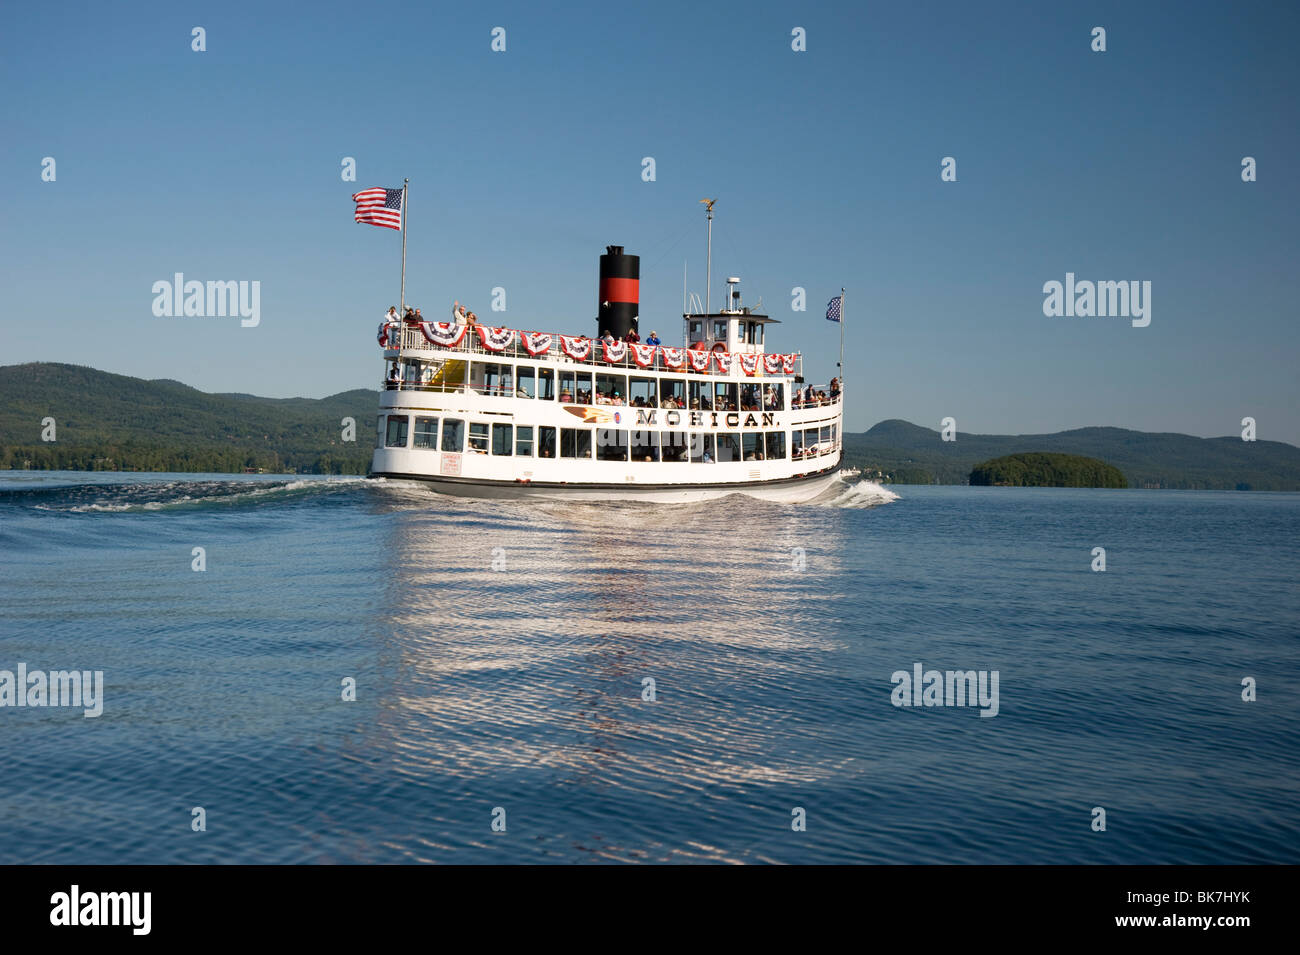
(426, 433)
(524, 440)
(545, 442)
(702, 450)
(577, 384)
(752, 445)
(611, 444)
(453, 435)
(575, 442)
(611, 389)
(674, 390)
(809, 441)
(697, 330)
(397, 424)
(527, 378)
(478, 436)
(645, 445)
(825, 437)
(728, 447)
(796, 444)
(749, 397)
(774, 397)
(720, 329)
(726, 397)
(379, 431)
(642, 393)
(775, 445)
(502, 438)
(546, 384)
(701, 395)
(760, 331)
(673, 446)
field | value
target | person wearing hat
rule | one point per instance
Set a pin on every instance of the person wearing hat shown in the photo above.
(653, 339)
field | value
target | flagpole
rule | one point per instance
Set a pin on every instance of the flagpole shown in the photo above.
(402, 309)
(841, 366)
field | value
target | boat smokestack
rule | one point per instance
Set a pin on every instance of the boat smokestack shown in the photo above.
(620, 292)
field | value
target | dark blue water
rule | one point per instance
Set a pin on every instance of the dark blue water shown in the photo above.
(520, 687)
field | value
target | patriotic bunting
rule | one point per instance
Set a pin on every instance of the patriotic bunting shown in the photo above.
(614, 351)
(644, 355)
(748, 363)
(673, 357)
(443, 334)
(536, 343)
(383, 334)
(772, 364)
(787, 363)
(494, 339)
(576, 348)
(698, 358)
(723, 358)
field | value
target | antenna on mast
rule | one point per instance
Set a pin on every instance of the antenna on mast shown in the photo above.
(708, 268)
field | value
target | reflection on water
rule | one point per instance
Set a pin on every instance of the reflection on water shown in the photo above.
(526, 639)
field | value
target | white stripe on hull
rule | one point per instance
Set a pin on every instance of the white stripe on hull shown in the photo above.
(793, 492)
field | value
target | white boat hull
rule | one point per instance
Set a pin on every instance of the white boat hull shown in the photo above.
(795, 491)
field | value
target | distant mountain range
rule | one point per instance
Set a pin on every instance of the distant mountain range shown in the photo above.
(916, 455)
(110, 422)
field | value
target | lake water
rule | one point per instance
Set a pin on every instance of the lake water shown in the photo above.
(500, 653)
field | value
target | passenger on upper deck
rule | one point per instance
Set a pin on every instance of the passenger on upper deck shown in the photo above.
(392, 317)
(458, 313)
(607, 338)
(653, 339)
(471, 319)
(632, 338)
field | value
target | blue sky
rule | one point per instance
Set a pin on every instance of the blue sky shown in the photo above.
(225, 165)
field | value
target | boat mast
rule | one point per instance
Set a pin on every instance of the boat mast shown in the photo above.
(708, 267)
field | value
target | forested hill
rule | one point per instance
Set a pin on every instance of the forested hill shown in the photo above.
(913, 454)
(106, 421)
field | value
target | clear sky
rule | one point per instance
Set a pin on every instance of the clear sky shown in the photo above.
(524, 164)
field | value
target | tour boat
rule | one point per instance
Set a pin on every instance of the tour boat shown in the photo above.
(482, 411)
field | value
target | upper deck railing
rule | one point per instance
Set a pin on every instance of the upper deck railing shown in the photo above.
(580, 350)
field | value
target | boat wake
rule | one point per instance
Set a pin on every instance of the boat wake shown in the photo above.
(856, 495)
(150, 496)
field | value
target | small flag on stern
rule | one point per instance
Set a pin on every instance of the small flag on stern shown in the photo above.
(833, 309)
(379, 206)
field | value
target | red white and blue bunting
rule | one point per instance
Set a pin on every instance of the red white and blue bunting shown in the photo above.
(643, 355)
(772, 364)
(673, 357)
(576, 348)
(787, 363)
(614, 351)
(536, 343)
(495, 339)
(384, 329)
(699, 359)
(723, 358)
(443, 334)
(748, 363)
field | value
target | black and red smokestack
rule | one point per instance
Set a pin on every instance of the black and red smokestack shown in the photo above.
(620, 292)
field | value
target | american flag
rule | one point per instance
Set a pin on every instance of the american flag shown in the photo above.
(379, 206)
(833, 309)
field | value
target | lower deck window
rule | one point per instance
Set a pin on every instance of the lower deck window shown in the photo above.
(426, 432)
(524, 440)
(546, 442)
(397, 425)
(478, 436)
(611, 444)
(728, 447)
(673, 446)
(453, 435)
(775, 445)
(644, 446)
(702, 448)
(575, 443)
(751, 446)
(502, 438)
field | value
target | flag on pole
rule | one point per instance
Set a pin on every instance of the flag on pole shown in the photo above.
(833, 309)
(379, 206)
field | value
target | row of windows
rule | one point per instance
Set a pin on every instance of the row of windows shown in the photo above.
(609, 444)
(591, 388)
